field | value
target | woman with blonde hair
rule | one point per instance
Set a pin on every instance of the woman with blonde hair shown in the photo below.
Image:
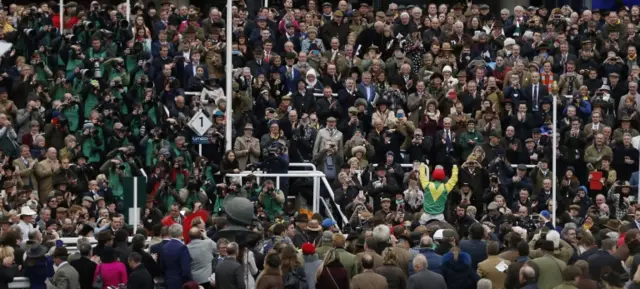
(390, 270)
(7, 269)
(332, 274)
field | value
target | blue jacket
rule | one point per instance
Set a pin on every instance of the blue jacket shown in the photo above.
(290, 84)
(176, 264)
(477, 250)
(459, 273)
(38, 272)
(434, 260)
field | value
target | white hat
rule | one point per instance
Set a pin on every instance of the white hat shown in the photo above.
(447, 68)
(605, 87)
(509, 41)
(438, 234)
(26, 211)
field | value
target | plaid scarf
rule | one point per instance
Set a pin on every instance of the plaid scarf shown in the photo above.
(547, 79)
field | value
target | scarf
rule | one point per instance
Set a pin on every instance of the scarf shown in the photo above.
(547, 79)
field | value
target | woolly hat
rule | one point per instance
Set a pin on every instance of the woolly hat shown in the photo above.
(438, 174)
(308, 249)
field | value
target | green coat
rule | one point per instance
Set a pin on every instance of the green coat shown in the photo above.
(467, 148)
(152, 151)
(273, 206)
(90, 103)
(91, 149)
(348, 260)
(73, 116)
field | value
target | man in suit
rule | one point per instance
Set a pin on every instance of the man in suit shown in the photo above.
(247, 148)
(163, 23)
(604, 261)
(424, 277)
(369, 279)
(536, 92)
(139, 277)
(190, 69)
(230, 273)
(201, 249)
(45, 170)
(594, 127)
(490, 267)
(85, 267)
(176, 260)
(291, 75)
(258, 65)
(367, 88)
(66, 277)
(25, 167)
(548, 267)
(288, 36)
(562, 58)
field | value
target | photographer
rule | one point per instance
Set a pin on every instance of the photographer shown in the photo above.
(224, 192)
(121, 137)
(70, 109)
(495, 188)
(179, 173)
(91, 139)
(116, 168)
(420, 148)
(251, 189)
(272, 200)
(27, 115)
(155, 143)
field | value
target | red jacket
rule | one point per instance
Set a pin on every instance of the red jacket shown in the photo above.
(56, 21)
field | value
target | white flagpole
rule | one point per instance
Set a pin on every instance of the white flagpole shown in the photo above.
(554, 153)
(229, 77)
(62, 17)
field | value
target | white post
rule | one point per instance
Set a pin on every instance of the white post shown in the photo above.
(62, 17)
(554, 153)
(278, 183)
(229, 77)
(266, 3)
(128, 12)
(200, 149)
(136, 210)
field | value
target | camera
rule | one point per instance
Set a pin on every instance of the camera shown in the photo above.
(122, 167)
(494, 179)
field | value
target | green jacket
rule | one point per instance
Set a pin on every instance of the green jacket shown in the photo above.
(152, 148)
(115, 179)
(465, 137)
(72, 114)
(348, 260)
(273, 206)
(435, 193)
(92, 147)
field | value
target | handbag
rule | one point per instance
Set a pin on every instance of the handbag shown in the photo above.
(98, 282)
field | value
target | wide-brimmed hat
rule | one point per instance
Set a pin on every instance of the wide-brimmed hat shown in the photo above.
(26, 211)
(542, 46)
(613, 224)
(314, 226)
(37, 251)
(302, 218)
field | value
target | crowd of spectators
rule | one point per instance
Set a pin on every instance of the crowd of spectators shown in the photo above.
(432, 123)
